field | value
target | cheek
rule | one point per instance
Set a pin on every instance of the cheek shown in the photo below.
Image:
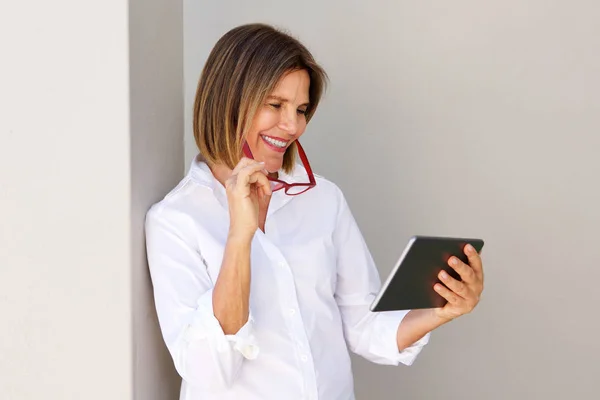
(301, 126)
(263, 121)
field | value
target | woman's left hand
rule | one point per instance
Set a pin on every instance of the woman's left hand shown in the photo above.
(463, 295)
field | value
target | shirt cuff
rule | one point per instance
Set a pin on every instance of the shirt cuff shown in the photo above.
(385, 343)
(204, 325)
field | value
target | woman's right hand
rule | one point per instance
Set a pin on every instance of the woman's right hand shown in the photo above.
(246, 186)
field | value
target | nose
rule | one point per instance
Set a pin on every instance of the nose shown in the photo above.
(288, 121)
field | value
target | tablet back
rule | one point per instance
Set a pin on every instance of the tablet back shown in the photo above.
(410, 284)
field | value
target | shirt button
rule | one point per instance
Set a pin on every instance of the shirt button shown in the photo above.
(282, 264)
(292, 311)
(304, 358)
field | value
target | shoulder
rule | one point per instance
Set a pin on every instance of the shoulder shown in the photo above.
(325, 190)
(328, 189)
(329, 197)
(178, 208)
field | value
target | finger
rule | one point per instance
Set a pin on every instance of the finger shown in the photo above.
(239, 169)
(243, 175)
(448, 294)
(458, 287)
(243, 163)
(474, 260)
(262, 196)
(261, 181)
(467, 274)
(249, 175)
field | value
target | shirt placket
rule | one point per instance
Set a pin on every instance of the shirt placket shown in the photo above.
(292, 316)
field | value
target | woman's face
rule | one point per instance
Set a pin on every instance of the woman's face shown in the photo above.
(280, 120)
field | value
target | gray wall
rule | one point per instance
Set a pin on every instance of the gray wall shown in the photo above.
(461, 118)
(91, 134)
(156, 101)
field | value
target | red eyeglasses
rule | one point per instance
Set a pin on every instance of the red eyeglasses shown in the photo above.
(291, 189)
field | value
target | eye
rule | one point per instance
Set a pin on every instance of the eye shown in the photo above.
(275, 105)
(302, 112)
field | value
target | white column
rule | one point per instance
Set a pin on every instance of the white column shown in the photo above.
(90, 135)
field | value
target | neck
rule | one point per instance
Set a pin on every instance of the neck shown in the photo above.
(221, 172)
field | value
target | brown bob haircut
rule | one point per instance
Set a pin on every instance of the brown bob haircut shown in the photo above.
(242, 69)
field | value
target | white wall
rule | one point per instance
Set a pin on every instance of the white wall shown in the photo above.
(461, 118)
(65, 227)
(90, 136)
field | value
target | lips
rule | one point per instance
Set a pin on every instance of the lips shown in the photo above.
(274, 143)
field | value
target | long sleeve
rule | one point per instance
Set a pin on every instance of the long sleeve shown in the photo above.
(203, 355)
(371, 335)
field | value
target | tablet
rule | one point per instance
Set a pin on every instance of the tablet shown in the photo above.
(410, 284)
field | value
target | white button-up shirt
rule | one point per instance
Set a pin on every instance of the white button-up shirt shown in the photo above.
(312, 281)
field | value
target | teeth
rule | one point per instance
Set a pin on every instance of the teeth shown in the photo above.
(275, 142)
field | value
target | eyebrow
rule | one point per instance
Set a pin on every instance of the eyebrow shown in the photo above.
(284, 100)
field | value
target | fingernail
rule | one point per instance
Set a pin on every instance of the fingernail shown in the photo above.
(470, 248)
(453, 261)
(444, 275)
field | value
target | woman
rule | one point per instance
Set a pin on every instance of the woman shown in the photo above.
(262, 279)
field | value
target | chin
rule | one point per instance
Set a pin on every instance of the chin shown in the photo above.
(273, 166)
(273, 162)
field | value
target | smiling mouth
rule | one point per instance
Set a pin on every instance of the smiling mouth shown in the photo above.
(277, 144)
